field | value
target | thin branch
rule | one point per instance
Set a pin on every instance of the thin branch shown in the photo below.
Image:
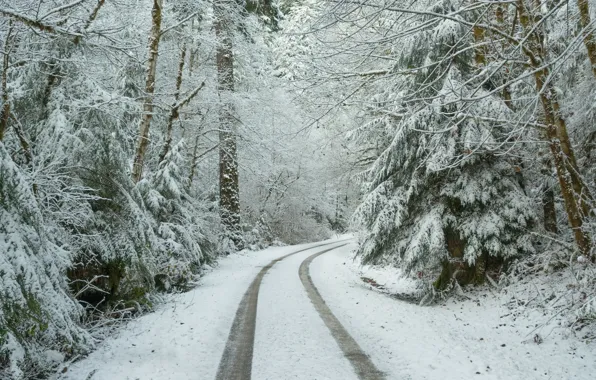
(35, 24)
(90, 20)
(178, 24)
(62, 8)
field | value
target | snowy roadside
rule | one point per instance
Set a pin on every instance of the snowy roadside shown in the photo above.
(485, 336)
(185, 337)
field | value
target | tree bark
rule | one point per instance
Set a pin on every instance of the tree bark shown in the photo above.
(480, 49)
(548, 199)
(589, 39)
(5, 112)
(194, 161)
(24, 141)
(574, 192)
(90, 20)
(154, 38)
(454, 268)
(174, 111)
(229, 194)
(550, 214)
(174, 114)
(500, 14)
(32, 23)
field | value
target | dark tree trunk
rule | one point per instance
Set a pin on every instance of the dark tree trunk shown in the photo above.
(229, 199)
(5, 110)
(550, 214)
(589, 38)
(548, 201)
(454, 268)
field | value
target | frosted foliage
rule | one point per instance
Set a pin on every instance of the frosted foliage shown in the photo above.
(77, 226)
(181, 229)
(292, 50)
(447, 32)
(442, 169)
(33, 296)
(418, 181)
(501, 211)
(425, 247)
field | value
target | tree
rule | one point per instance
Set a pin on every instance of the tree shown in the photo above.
(229, 192)
(82, 236)
(154, 38)
(576, 195)
(37, 311)
(443, 95)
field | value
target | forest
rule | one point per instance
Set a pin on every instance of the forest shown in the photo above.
(143, 140)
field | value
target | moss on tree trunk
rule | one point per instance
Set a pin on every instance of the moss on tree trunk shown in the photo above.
(455, 268)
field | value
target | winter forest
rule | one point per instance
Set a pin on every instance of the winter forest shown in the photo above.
(142, 141)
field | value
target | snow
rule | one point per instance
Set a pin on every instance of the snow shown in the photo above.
(54, 356)
(292, 341)
(389, 279)
(455, 340)
(184, 338)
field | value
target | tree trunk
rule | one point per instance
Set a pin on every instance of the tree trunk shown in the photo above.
(589, 39)
(154, 38)
(550, 214)
(574, 191)
(479, 39)
(548, 198)
(229, 199)
(194, 162)
(5, 112)
(455, 269)
(480, 269)
(174, 111)
(90, 20)
(500, 14)
(24, 141)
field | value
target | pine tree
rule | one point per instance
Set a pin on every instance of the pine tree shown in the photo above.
(441, 196)
(36, 311)
(229, 193)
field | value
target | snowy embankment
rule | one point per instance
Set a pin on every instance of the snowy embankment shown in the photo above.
(485, 336)
(185, 338)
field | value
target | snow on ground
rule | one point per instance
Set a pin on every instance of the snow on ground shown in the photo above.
(291, 339)
(182, 339)
(386, 279)
(479, 338)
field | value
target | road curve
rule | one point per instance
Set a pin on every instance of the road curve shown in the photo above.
(363, 366)
(236, 361)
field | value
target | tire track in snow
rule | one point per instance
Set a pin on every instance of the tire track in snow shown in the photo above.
(364, 367)
(236, 361)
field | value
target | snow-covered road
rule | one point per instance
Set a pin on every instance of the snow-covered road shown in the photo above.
(185, 338)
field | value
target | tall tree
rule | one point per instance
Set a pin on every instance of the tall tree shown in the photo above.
(229, 191)
(145, 125)
(588, 32)
(576, 194)
(5, 113)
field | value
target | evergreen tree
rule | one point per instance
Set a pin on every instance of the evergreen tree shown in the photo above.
(442, 195)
